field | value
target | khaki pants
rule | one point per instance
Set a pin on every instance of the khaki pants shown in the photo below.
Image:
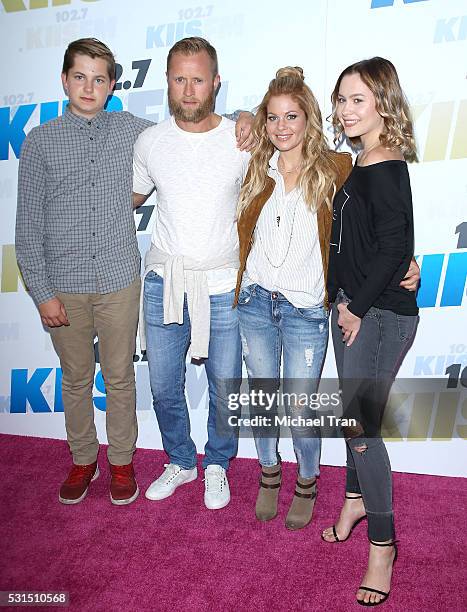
(113, 318)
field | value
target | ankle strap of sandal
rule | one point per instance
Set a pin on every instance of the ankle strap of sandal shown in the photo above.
(392, 543)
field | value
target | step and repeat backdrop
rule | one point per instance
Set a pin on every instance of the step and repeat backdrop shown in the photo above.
(425, 39)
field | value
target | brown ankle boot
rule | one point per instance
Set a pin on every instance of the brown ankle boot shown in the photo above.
(301, 510)
(268, 494)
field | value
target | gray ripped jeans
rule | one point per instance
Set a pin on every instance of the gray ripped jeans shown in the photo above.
(366, 371)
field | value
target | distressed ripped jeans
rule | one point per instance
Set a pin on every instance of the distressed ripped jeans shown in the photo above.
(270, 326)
(366, 372)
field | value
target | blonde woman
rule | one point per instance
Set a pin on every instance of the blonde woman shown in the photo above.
(374, 318)
(284, 225)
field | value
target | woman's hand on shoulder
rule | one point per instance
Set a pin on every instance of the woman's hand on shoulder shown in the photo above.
(349, 323)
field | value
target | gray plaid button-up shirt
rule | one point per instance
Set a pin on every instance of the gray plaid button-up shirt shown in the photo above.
(75, 230)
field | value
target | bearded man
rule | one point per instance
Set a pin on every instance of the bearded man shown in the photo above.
(192, 162)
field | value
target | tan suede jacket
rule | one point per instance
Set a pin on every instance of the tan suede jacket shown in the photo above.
(249, 218)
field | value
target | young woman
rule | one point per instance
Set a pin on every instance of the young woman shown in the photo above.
(284, 225)
(373, 318)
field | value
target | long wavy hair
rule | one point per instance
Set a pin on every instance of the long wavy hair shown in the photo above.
(318, 172)
(380, 76)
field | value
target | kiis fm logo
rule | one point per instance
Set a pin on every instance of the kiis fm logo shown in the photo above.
(29, 390)
(440, 414)
(196, 21)
(444, 118)
(12, 132)
(13, 6)
(13, 128)
(39, 390)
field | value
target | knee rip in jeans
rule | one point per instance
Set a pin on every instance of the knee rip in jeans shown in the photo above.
(361, 448)
(246, 350)
(309, 353)
(355, 431)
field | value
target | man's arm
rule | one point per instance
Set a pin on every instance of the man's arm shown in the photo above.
(143, 184)
(29, 238)
(139, 198)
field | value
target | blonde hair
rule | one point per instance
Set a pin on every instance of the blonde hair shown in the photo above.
(318, 173)
(192, 46)
(380, 76)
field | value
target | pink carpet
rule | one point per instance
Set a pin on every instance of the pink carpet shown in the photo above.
(176, 555)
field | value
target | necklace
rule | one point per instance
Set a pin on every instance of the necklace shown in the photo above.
(281, 162)
(284, 171)
(276, 266)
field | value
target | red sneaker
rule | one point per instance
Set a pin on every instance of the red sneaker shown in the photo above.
(75, 487)
(123, 486)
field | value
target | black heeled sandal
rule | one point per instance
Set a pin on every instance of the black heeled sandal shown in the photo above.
(370, 589)
(334, 533)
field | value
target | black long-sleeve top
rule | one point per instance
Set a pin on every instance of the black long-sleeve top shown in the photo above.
(372, 239)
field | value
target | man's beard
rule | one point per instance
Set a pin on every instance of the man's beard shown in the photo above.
(203, 110)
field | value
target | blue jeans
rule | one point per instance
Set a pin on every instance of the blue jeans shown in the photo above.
(270, 325)
(167, 347)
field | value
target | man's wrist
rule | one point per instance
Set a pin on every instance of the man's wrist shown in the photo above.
(42, 295)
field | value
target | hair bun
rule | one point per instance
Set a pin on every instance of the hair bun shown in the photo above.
(290, 71)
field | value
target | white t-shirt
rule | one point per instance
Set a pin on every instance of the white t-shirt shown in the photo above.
(197, 176)
(286, 256)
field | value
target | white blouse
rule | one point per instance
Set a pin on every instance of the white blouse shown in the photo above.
(285, 255)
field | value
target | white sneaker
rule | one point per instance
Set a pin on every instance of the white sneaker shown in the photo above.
(172, 477)
(216, 487)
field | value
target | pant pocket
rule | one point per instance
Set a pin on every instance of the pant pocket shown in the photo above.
(245, 295)
(318, 313)
(406, 326)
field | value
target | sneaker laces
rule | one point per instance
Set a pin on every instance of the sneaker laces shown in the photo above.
(215, 480)
(78, 473)
(121, 474)
(171, 471)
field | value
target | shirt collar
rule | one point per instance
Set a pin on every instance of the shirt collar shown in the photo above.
(97, 121)
(274, 161)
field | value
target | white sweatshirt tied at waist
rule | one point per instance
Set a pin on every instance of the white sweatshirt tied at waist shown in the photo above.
(179, 273)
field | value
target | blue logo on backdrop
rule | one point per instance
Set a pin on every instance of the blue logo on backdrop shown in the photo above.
(12, 129)
(453, 288)
(167, 34)
(381, 3)
(27, 390)
(451, 30)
